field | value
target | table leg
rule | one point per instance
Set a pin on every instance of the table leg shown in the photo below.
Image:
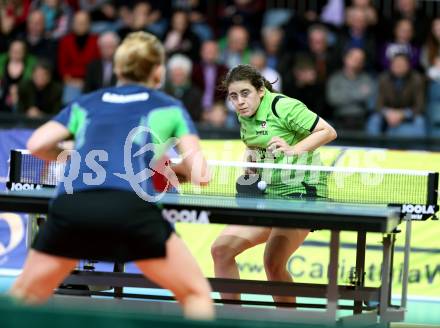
(360, 267)
(332, 289)
(118, 267)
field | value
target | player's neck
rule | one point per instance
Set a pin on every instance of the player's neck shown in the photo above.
(149, 84)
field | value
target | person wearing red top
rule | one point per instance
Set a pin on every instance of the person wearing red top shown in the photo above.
(76, 50)
(18, 10)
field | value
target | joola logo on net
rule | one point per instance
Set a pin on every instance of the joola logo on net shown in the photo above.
(190, 216)
(418, 211)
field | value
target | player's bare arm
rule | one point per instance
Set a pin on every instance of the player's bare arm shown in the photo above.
(321, 135)
(45, 141)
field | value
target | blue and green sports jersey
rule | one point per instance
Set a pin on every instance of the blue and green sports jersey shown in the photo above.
(118, 133)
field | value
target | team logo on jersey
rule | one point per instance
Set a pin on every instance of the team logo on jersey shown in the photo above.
(263, 125)
(124, 99)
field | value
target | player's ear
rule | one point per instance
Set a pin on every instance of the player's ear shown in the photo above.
(158, 75)
(117, 71)
(261, 92)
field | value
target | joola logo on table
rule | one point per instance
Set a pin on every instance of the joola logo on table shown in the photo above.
(190, 216)
(17, 186)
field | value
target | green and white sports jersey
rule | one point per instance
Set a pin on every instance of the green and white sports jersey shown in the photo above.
(289, 119)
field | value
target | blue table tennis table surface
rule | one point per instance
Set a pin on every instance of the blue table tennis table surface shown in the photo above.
(268, 204)
(244, 208)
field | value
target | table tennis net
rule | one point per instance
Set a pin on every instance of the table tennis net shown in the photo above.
(339, 184)
(25, 168)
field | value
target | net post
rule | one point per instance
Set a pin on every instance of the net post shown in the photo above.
(14, 167)
(432, 192)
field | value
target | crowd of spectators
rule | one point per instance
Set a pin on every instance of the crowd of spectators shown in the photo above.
(354, 66)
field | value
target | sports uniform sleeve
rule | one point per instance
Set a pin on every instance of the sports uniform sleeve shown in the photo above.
(296, 115)
(183, 124)
(63, 116)
(168, 122)
(72, 117)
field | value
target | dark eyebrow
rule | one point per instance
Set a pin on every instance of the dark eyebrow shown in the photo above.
(241, 91)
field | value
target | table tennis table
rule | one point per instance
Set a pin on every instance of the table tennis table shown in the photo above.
(292, 213)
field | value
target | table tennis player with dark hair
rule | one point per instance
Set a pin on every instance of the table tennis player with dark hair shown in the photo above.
(275, 125)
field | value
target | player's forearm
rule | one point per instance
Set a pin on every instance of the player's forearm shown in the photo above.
(314, 141)
(50, 154)
(45, 141)
(197, 169)
(194, 164)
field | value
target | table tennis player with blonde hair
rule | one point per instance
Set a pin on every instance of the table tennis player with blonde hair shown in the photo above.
(99, 215)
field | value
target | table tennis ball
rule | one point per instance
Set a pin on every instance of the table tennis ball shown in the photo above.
(262, 185)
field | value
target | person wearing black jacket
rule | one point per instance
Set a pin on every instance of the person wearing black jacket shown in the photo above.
(40, 96)
(99, 73)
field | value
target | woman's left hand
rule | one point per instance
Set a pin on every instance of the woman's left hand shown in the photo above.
(278, 145)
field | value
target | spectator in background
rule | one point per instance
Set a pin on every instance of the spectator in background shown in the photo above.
(57, 16)
(76, 50)
(158, 18)
(208, 74)
(138, 19)
(37, 43)
(234, 48)
(322, 54)
(407, 9)
(15, 66)
(433, 72)
(216, 116)
(7, 32)
(302, 83)
(400, 101)
(258, 60)
(402, 43)
(198, 12)
(179, 38)
(431, 48)
(103, 14)
(357, 35)
(367, 7)
(178, 84)
(17, 11)
(350, 91)
(41, 95)
(133, 19)
(272, 44)
(297, 28)
(247, 13)
(430, 60)
(433, 100)
(99, 73)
